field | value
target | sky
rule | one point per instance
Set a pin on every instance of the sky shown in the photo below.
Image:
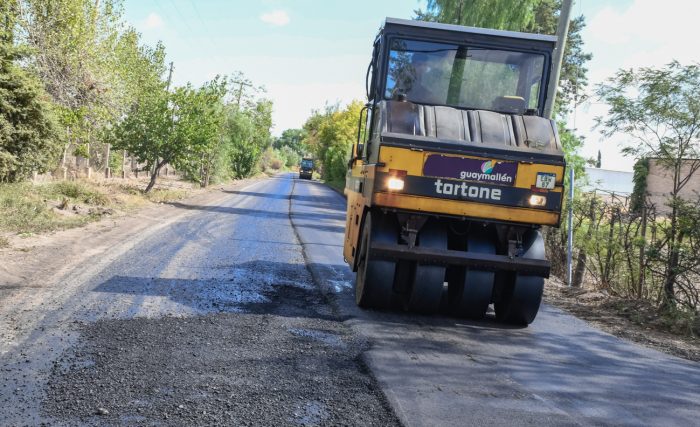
(309, 53)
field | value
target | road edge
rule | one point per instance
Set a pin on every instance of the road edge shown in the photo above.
(318, 273)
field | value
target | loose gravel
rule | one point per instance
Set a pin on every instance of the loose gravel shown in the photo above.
(287, 360)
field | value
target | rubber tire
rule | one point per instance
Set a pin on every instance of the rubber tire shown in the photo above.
(521, 295)
(426, 289)
(470, 292)
(375, 278)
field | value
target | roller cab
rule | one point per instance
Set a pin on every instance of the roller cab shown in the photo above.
(454, 173)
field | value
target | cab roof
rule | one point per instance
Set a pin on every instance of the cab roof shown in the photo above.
(413, 28)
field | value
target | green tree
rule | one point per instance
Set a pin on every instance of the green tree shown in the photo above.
(199, 119)
(83, 53)
(28, 137)
(330, 135)
(658, 111)
(248, 136)
(292, 138)
(147, 127)
(511, 15)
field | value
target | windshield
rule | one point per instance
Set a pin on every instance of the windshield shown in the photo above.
(307, 164)
(464, 76)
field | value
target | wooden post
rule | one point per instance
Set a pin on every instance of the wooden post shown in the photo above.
(108, 152)
(642, 250)
(123, 164)
(582, 256)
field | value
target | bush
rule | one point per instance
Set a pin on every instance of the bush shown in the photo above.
(276, 164)
(78, 191)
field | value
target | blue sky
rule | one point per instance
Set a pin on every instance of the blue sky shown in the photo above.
(311, 52)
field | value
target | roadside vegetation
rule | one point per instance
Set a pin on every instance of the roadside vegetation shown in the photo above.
(79, 89)
(82, 96)
(27, 208)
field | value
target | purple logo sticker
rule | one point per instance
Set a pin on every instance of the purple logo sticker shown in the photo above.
(491, 171)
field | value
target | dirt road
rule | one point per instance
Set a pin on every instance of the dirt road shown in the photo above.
(237, 309)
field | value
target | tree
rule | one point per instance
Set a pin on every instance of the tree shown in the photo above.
(599, 161)
(84, 55)
(294, 139)
(199, 116)
(248, 135)
(28, 138)
(511, 15)
(658, 110)
(330, 135)
(146, 129)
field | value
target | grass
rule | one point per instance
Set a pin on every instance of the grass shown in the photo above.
(27, 208)
(24, 209)
(338, 185)
(161, 195)
(76, 191)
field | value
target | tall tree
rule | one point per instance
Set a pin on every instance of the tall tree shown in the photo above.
(330, 135)
(80, 49)
(200, 116)
(292, 138)
(658, 111)
(28, 138)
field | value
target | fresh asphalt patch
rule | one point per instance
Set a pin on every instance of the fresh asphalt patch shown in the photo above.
(285, 361)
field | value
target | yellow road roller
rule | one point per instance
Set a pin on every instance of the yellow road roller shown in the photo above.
(454, 173)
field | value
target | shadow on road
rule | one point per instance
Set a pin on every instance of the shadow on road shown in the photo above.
(256, 212)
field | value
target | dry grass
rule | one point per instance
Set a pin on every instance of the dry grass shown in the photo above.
(27, 208)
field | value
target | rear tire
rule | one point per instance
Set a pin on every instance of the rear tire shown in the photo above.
(374, 279)
(520, 295)
(470, 291)
(426, 288)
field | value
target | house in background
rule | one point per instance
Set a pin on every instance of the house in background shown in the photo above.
(660, 184)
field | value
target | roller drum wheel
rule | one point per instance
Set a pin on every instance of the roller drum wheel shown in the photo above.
(375, 278)
(521, 295)
(521, 300)
(426, 288)
(470, 291)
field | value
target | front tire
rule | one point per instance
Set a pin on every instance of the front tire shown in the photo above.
(425, 293)
(520, 295)
(374, 279)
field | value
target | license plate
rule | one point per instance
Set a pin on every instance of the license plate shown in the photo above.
(546, 180)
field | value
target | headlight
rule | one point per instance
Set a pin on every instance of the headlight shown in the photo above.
(537, 200)
(395, 184)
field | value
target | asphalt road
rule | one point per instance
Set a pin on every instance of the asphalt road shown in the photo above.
(241, 312)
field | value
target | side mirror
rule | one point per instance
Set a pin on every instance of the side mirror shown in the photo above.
(357, 155)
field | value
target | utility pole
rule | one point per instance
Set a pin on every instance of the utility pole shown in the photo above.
(240, 93)
(170, 76)
(562, 32)
(570, 231)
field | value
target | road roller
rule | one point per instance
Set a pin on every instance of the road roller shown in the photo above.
(455, 171)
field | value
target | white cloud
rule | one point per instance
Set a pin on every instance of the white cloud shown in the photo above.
(276, 17)
(153, 22)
